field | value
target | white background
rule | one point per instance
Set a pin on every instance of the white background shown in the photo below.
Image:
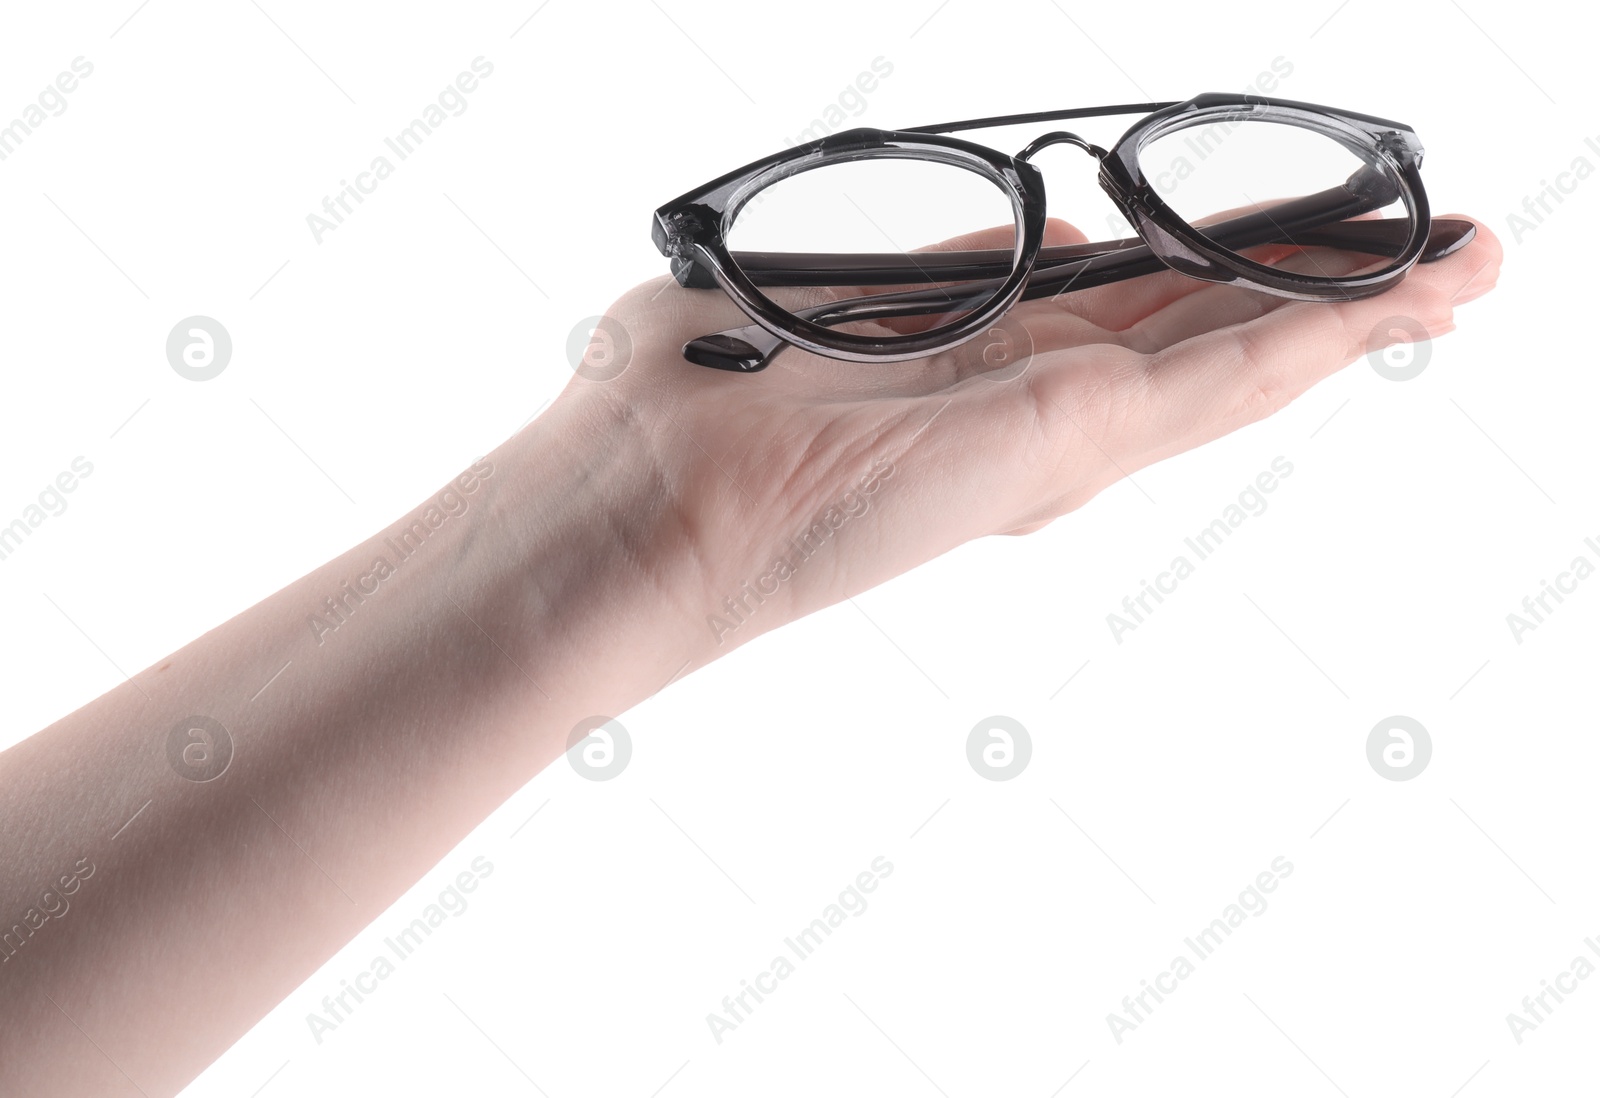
(1227, 730)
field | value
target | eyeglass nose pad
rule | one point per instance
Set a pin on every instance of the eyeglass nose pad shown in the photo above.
(1061, 137)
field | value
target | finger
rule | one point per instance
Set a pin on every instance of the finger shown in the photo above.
(1026, 452)
(1040, 326)
(1217, 306)
(1103, 414)
(1118, 306)
(1056, 233)
(1215, 381)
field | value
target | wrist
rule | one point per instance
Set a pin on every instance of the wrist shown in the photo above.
(579, 567)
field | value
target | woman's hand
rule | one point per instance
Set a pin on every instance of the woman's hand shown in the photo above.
(380, 707)
(800, 486)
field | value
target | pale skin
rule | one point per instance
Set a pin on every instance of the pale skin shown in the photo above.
(579, 580)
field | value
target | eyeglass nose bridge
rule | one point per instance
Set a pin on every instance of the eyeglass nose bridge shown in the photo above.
(1061, 137)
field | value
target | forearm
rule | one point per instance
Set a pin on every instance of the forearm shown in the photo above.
(369, 735)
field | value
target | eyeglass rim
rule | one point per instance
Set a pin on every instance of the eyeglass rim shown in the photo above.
(1394, 144)
(693, 230)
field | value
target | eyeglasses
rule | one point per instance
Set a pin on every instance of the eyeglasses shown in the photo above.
(839, 212)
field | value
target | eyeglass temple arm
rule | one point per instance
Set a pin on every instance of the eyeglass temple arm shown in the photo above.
(1074, 267)
(1383, 237)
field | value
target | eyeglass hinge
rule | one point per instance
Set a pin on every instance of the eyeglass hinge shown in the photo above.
(1401, 146)
(682, 229)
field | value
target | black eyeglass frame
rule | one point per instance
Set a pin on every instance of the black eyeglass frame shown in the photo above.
(692, 229)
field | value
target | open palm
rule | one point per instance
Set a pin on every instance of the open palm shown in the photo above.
(816, 479)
